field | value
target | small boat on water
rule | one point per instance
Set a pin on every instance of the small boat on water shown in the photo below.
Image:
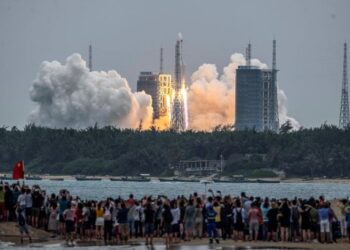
(176, 179)
(135, 178)
(5, 177)
(56, 179)
(84, 178)
(115, 179)
(33, 178)
(267, 181)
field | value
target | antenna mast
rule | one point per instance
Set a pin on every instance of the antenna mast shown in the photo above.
(248, 54)
(90, 57)
(161, 61)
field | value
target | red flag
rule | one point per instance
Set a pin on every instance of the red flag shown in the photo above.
(18, 171)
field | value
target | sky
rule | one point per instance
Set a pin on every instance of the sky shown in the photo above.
(126, 36)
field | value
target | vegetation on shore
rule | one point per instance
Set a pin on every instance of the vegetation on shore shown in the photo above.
(314, 152)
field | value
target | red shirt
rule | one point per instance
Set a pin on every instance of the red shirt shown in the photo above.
(78, 215)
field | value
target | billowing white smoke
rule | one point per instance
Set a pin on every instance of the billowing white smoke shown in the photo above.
(68, 95)
(283, 116)
(211, 98)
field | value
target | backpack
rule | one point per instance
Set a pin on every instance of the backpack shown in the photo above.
(239, 217)
(295, 214)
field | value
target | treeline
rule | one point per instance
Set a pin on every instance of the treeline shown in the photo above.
(315, 152)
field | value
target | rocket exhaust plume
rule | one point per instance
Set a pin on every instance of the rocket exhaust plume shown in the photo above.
(211, 97)
(68, 95)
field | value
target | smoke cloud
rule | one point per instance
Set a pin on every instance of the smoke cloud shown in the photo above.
(211, 97)
(68, 95)
(282, 105)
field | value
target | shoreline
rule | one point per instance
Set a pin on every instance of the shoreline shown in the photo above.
(156, 178)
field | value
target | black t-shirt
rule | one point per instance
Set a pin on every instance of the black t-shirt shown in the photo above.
(37, 200)
(272, 215)
(167, 216)
(149, 215)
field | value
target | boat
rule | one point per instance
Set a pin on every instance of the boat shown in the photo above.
(135, 178)
(205, 181)
(267, 181)
(33, 178)
(115, 179)
(5, 177)
(185, 180)
(165, 179)
(56, 179)
(84, 178)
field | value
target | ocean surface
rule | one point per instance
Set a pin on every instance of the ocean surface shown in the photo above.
(98, 190)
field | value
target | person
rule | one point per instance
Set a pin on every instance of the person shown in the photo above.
(217, 207)
(295, 217)
(2, 203)
(79, 220)
(29, 206)
(52, 225)
(238, 220)
(314, 221)
(158, 219)
(122, 217)
(265, 207)
(92, 220)
(16, 193)
(131, 215)
(23, 229)
(254, 217)
(138, 213)
(305, 221)
(108, 223)
(324, 214)
(63, 204)
(99, 220)
(211, 223)
(198, 219)
(347, 217)
(273, 221)
(175, 226)
(86, 220)
(189, 219)
(69, 218)
(284, 217)
(149, 222)
(167, 219)
(226, 218)
(37, 203)
(341, 205)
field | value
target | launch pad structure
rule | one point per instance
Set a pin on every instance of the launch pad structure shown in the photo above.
(178, 110)
(344, 102)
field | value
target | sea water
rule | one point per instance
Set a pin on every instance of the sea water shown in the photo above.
(99, 190)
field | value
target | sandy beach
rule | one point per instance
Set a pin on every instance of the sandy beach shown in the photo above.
(9, 233)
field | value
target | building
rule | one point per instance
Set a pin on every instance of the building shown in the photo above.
(200, 167)
(164, 94)
(159, 87)
(256, 97)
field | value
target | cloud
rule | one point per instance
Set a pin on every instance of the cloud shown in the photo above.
(68, 95)
(211, 97)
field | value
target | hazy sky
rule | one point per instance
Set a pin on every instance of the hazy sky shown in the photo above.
(126, 36)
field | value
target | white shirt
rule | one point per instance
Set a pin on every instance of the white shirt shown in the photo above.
(21, 200)
(29, 200)
(175, 212)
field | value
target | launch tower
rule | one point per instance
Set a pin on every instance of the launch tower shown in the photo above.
(178, 112)
(344, 103)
